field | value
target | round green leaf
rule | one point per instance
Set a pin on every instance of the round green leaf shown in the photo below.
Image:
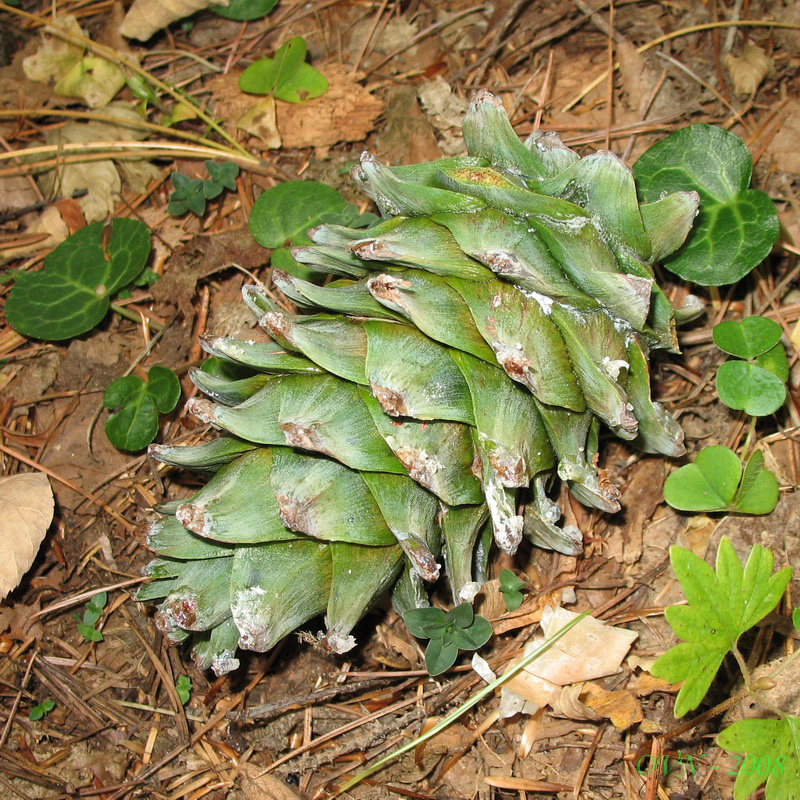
(164, 388)
(135, 425)
(475, 635)
(736, 227)
(749, 388)
(419, 620)
(749, 338)
(758, 491)
(245, 10)
(267, 75)
(283, 259)
(440, 655)
(286, 211)
(121, 390)
(707, 485)
(70, 294)
(461, 616)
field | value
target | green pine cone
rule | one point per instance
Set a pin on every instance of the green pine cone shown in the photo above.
(464, 357)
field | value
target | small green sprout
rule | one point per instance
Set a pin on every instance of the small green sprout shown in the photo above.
(41, 710)
(191, 194)
(184, 688)
(459, 629)
(92, 613)
(511, 587)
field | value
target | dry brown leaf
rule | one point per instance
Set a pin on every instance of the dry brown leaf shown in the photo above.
(145, 17)
(259, 121)
(26, 511)
(345, 113)
(258, 786)
(785, 146)
(621, 707)
(748, 70)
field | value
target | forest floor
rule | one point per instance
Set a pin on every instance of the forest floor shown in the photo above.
(400, 77)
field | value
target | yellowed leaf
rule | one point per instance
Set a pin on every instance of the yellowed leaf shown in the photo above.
(259, 120)
(26, 511)
(621, 707)
(145, 17)
(748, 70)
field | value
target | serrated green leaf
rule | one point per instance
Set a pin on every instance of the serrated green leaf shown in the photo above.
(736, 227)
(71, 294)
(286, 211)
(244, 10)
(747, 387)
(749, 338)
(223, 175)
(723, 604)
(89, 633)
(707, 485)
(777, 741)
(440, 655)
(188, 196)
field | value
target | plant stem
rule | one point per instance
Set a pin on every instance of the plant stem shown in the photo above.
(751, 430)
(134, 317)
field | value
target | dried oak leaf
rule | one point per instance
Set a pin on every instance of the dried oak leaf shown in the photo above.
(26, 511)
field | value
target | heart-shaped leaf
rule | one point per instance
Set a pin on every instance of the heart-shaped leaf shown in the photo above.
(750, 388)
(287, 76)
(71, 294)
(440, 655)
(420, 620)
(749, 338)
(245, 10)
(775, 361)
(707, 485)
(736, 227)
(135, 425)
(286, 211)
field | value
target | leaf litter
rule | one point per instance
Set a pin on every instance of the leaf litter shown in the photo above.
(398, 83)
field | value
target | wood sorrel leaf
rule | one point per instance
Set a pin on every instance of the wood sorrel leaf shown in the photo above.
(287, 76)
(758, 491)
(736, 226)
(749, 338)
(286, 211)
(71, 294)
(723, 604)
(707, 485)
(750, 388)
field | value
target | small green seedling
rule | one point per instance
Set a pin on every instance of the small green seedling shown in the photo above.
(287, 76)
(72, 293)
(459, 629)
(723, 604)
(245, 10)
(135, 425)
(41, 710)
(93, 610)
(756, 385)
(511, 586)
(191, 194)
(736, 226)
(282, 215)
(183, 686)
(717, 482)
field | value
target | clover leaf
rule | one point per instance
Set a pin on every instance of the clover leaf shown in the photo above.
(223, 176)
(287, 76)
(736, 227)
(458, 629)
(716, 482)
(510, 586)
(774, 741)
(135, 425)
(245, 10)
(756, 386)
(723, 604)
(72, 292)
(188, 196)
